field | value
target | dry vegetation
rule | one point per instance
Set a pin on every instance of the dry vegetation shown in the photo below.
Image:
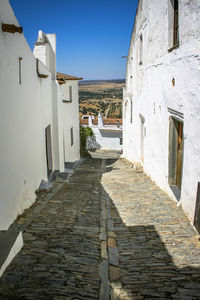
(101, 96)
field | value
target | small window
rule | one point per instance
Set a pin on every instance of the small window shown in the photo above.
(72, 136)
(20, 70)
(176, 24)
(173, 24)
(131, 112)
(121, 141)
(70, 93)
(140, 50)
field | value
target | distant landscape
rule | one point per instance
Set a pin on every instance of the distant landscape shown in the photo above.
(103, 96)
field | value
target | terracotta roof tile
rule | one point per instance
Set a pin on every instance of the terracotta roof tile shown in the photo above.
(84, 121)
(112, 121)
(105, 121)
(62, 78)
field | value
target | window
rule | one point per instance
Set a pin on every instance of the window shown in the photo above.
(176, 26)
(20, 70)
(173, 24)
(121, 141)
(140, 49)
(70, 93)
(72, 136)
(131, 118)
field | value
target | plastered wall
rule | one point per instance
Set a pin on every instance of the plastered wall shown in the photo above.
(29, 104)
(20, 123)
(108, 139)
(165, 85)
(70, 119)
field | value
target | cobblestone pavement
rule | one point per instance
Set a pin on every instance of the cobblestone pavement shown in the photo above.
(108, 233)
(61, 254)
(157, 248)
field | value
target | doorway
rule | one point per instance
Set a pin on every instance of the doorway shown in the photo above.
(48, 150)
(179, 155)
(175, 155)
(197, 209)
(142, 135)
(64, 145)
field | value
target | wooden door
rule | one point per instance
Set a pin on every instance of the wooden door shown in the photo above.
(179, 162)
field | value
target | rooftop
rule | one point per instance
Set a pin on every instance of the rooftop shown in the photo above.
(105, 121)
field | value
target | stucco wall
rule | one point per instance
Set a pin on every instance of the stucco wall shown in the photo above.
(69, 118)
(150, 87)
(108, 139)
(27, 109)
(45, 50)
(21, 161)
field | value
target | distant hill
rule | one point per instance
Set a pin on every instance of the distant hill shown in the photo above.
(103, 96)
(89, 82)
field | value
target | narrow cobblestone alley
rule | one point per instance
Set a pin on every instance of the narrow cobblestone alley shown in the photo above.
(109, 233)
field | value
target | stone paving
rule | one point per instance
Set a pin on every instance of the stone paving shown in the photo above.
(158, 249)
(61, 254)
(109, 233)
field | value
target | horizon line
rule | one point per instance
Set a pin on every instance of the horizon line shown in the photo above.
(103, 79)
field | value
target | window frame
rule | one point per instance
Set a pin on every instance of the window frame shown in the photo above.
(176, 23)
(173, 25)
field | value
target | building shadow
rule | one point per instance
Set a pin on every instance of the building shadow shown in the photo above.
(147, 269)
(92, 144)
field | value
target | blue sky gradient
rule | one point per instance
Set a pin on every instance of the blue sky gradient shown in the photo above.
(92, 35)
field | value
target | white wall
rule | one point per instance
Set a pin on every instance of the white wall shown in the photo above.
(26, 110)
(69, 118)
(152, 92)
(21, 161)
(45, 51)
(108, 139)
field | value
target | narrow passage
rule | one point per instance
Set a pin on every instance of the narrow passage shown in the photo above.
(110, 233)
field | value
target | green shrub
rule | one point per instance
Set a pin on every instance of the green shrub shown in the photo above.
(89, 131)
(82, 137)
(84, 133)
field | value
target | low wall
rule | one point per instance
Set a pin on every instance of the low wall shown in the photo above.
(106, 138)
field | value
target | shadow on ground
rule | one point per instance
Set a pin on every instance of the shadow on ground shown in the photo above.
(61, 254)
(147, 269)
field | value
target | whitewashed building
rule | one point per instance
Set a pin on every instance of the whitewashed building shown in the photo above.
(34, 122)
(107, 133)
(161, 107)
(69, 116)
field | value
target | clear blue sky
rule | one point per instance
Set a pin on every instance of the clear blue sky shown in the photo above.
(92, 35)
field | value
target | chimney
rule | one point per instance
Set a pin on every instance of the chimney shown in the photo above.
(100, 121)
